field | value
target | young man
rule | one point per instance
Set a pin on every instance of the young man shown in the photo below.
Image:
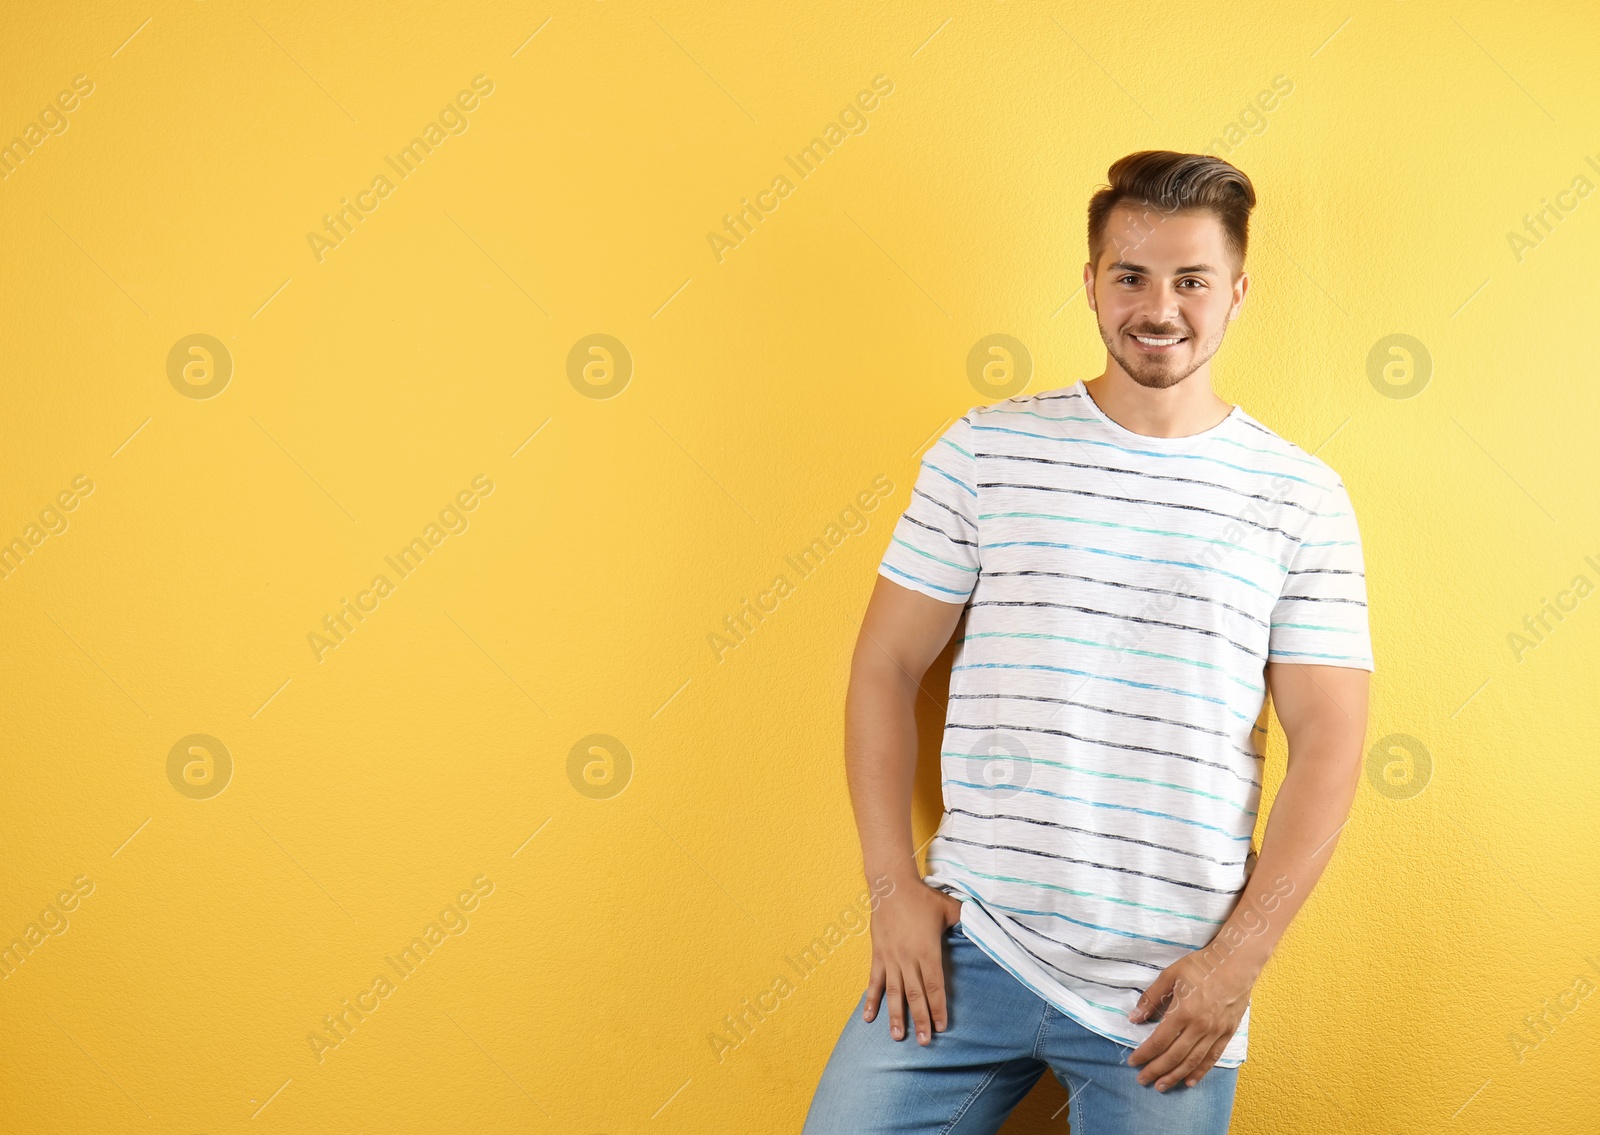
(1140, 563)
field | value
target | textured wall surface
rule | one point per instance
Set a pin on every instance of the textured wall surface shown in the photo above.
(398, 413)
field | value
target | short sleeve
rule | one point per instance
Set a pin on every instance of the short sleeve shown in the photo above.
(1321, 613)
(934, 548)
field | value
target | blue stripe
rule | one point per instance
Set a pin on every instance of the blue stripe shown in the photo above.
(1125, 650)
(1308, 460)
(953, 480)
(925, 583)
(1152, 453)
(1103, 678)
(1094, 926)
(1313, 654)
(1071, 891)
(1101, 804)
(1129, 556)
(1097, 772)
(1231, 544)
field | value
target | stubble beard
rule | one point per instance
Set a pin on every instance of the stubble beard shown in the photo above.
(1155, 372)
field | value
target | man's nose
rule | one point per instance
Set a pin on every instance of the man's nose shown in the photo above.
(1161, 306)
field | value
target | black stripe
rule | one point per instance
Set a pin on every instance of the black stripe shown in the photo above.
(1088, 863)
(1091, 831)
(1137, 500)
(935, 500)
(1052, 966)
(1082, 953)
(1131, 587)
(1150, 476)
(1127, 618)
(1118, 712)
(1108, 744)
(940, 531)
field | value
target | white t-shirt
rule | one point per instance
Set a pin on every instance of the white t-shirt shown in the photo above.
(1103, 742)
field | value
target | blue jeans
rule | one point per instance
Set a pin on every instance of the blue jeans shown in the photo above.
(1000, 1039)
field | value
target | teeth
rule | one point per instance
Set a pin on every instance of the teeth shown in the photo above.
(1149, 342)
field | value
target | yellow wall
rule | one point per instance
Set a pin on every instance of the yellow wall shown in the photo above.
(373, 781)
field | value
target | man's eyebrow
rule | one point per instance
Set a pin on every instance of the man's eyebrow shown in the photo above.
(1196, 269)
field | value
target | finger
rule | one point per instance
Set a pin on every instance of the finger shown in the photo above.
(1206, 1065)
(933, 983)
(1171, 1057)
(1157, 1042)
(894, 989)
(1197, 1052)
(917, 998)
(874, 990)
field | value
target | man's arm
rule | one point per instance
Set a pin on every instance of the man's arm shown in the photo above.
(902, 632)
(1324, 714)
(1323, 710)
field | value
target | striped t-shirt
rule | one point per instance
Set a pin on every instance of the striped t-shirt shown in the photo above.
(1103, 742)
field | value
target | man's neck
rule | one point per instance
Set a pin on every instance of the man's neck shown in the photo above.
(1186, 408)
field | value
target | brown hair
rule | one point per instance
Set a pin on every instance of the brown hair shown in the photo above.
(1171, 182)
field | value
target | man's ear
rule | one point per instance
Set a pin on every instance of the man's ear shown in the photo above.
(1242, 286)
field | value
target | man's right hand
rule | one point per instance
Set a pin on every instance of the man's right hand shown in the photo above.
(908, 958)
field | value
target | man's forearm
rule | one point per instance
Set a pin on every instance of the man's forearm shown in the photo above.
(1309, 811)
(880, 763)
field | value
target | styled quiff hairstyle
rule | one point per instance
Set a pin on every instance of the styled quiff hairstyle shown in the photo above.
(1162, 182)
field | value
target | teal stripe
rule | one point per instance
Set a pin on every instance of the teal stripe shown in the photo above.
(1073, 891)
(924, 582)
(956, 447)
(1311, 461)
(1314, 627)
(1105, 678)
(1103, 804)
(1042, 417)
(1093, 926)
(1232, 544)
(1129, 556)
(1120, 649)
(1151, 453)
(931, 556)
(1108, 775)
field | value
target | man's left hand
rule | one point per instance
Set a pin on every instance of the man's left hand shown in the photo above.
(1199, 1004)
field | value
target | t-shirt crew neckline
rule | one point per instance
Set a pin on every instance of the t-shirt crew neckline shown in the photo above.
(1187, 441)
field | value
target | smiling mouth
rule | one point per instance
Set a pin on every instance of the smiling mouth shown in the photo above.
(1158, 343)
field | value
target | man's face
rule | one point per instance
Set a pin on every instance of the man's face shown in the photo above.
(1163, 276)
